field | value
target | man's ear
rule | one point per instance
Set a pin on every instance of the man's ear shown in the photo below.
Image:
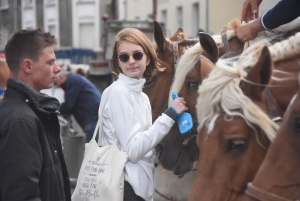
(26, 66)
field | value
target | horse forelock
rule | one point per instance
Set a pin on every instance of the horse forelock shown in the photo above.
(231, 27)
(186, 63)
(221, 92)
(234, 24)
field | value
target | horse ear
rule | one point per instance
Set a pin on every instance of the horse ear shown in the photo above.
(159, 36)
(209, 46)
(177, 34)
(259, 75)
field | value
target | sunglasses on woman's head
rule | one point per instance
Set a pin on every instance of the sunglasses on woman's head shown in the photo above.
(125, 57)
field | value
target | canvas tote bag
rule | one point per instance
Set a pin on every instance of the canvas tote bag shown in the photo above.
(101, 176)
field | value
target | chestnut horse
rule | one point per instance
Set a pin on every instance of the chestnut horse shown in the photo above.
(168, 50)
(177, 152)
(4, 75)
(234, 131)
(278, 178)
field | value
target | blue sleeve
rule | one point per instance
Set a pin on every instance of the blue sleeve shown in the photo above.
(71, 88)
(283, 12)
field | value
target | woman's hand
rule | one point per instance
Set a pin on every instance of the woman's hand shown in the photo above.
(249, 31)
(179, 105)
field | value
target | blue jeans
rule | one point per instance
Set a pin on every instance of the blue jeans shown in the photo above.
(89, 131)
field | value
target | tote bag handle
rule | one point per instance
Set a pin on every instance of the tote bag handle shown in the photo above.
(99, 123)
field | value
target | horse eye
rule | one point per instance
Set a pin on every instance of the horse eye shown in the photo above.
(236, 145)
(192, 85)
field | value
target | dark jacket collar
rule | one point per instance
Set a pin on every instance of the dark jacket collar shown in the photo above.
(42, 103)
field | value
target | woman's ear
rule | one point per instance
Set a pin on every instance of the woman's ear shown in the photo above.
(148, 61)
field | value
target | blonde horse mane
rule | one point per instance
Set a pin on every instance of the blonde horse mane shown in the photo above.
(286, 49)
(221, 92)
(186, 63)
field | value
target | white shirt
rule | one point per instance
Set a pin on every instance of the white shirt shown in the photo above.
(127, 114)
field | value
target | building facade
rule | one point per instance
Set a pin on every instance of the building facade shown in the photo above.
(75, 23)
(191, 15)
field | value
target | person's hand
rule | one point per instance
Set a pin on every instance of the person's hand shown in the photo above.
(250, 10)
(248, 31)
(179, 105)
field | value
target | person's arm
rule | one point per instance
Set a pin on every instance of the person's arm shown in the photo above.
(136, 142)
(283, 12)
(21, 162)
(250, 10)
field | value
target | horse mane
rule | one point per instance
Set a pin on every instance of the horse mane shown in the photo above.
(286, 49)
(221, 92)
(186, 63)
(233, 24)
(189, 41)
(231, 27)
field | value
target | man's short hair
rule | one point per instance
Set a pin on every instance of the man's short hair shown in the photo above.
(26, 44)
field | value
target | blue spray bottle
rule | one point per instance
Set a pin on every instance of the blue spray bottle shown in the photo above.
(185, 121)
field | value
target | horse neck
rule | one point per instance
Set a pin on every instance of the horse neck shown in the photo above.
(283, 90)
(279, 174)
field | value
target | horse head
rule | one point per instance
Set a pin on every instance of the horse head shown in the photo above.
(234, 131)
(279, 175)
(169, 51)
(177, 152)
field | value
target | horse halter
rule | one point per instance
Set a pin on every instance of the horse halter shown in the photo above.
(260, 194)
(227, 46)
(175, 53)
(191, 134)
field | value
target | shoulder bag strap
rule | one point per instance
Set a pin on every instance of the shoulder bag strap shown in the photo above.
(99, 123)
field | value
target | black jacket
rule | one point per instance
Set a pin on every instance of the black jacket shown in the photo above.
(32, 166)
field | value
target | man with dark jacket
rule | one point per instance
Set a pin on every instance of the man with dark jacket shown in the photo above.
(82, 99)
(32, 166)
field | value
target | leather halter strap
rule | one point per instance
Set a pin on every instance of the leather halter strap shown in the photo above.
(263, 195)
(272, 111)
(176, 59)
(226, 45)
(175, 52)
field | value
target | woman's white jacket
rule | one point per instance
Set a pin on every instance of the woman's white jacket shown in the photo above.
(127, 115)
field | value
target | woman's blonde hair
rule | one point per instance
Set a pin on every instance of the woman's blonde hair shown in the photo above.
(135, 36)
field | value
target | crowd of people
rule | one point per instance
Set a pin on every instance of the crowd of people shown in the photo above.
(32, 162)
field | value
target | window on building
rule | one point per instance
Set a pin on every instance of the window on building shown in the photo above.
(4, 35)
(3, 4)
(87, 35)
(179, 17)
(164, 17)
(195, 19)
(28, 2)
